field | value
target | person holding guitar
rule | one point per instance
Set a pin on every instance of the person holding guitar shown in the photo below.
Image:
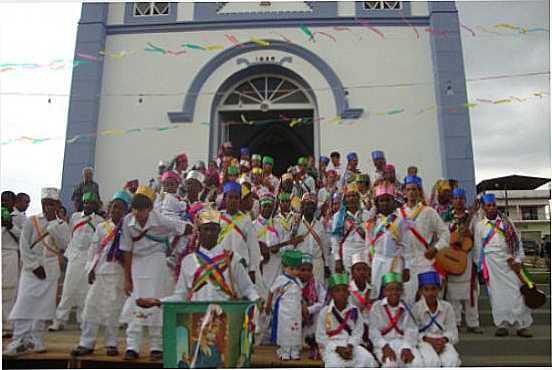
(500, 253)
(428, 234)
(463, 290)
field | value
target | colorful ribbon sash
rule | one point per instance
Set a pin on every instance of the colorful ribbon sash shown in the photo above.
(393, 321)
(231, 224)
(432, 321)
(211, 269)
(342, 321)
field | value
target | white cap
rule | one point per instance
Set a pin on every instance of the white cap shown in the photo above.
(360, 257)
(196, 175)
(49, 193)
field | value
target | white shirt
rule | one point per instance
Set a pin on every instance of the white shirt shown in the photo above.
(236, 276)
(327, 321)
(386, 245)
(359, 218)
(498, 244)
(56, 241)
(429, 225)
(310, 245)
(232, 240)
(171, 205)
(444, 316)
(18, 218)
(157, 226)
(99, 262)
(82, 236)
(379, 320)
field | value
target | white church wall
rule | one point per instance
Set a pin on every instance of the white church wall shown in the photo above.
(406, 138)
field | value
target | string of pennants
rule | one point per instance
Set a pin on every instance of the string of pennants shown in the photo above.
(312, 36)
(292, 122)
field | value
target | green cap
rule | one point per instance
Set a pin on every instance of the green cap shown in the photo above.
(89, 196)
(302, 161)
(306, 259)
(363, 178)
(292, 258)
(284, 197)
(338, 279)
(256, 157)
(233, 170)
(268, 160)
(391, 277)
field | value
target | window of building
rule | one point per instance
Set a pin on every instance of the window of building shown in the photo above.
(529, 213)
(150, 9)
(382, 5)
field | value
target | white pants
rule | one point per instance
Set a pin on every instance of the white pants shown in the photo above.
(135, 337)
(10, 277)
(90, 332)
(448, 358)
(397, 345)
(289, 351)
(75, 288)
(30, 331)
(471, 314)
(361, 358)
(8, 300)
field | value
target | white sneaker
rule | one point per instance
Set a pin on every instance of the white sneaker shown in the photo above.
(56, 326)
(39, 348)
(17, 348)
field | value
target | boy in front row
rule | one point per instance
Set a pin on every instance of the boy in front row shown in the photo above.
(437, 324)
(340, 327)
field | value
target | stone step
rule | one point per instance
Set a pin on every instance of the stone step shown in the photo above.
(487, 344)
(540, 317)
(506, 361)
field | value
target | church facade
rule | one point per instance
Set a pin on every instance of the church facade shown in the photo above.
(284, 78)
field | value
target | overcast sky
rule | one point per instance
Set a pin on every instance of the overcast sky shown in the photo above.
(507, 138)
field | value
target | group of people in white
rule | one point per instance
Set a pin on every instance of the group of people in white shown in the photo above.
(340, 261)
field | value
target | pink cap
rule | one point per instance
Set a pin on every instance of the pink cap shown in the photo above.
(389, 168)
(181, 157)
(170, 175)
(385, 188)
(331, 173)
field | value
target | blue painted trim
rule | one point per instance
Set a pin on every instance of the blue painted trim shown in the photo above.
(448, 70)
(208, 12)
(342, 105)
(84, 102)
(252, 70)
(361, 12)
(150, 19)
(266, 23)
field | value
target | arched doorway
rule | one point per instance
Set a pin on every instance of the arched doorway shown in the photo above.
(270, 102)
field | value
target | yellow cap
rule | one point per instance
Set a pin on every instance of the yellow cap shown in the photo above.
(208, 215)
(147, 191)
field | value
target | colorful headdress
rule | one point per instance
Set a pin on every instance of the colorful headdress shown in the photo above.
(232, 186)
(413, 180)
(49, 193)
(245, 191)
(233, 170)
(244, 151)
(256, 157)
(284, 197)
(287, 176)
(292, 258)
(363, 178)
(352, 156)
(181, 157)
(170, 175)
(331, 173)
(195, 175)
(306, 259)
(309, 197)
(384, 188)
(324, 159)
(429, 278)
(302, 161)
(488, 198)
(89, 196)
(257, 171)
(391, 277)
(268, 160)
(147, 192)
(377, 154)
(338, 279)
(360, 258)
(208, 215)
(131, 183)
(122, 195)
(458, 192)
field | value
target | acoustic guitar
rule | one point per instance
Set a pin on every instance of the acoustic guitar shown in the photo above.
(454, 258)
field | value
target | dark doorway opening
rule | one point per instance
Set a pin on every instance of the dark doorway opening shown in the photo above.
(271, 135)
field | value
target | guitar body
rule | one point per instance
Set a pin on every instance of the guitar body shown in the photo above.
(533, 297)
(452, 260)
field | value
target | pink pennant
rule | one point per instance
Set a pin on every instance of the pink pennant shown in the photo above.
(374, 29)
(407, 22)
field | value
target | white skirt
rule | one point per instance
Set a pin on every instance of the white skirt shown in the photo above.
(151, 278)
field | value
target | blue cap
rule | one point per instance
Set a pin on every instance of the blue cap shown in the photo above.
(458, 192)
(122, 195)
(413, 180)
(232, 186)
(324, 159)
(352, 156)
(429, 278)
(244, 150)
(377, 154)
(488, 198)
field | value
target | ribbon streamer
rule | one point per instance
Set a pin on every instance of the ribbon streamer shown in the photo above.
(193, 46)
(371, 28)
(307, 32)
(409, 24)
(325, 34)
(260, 42)
(233, 40)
